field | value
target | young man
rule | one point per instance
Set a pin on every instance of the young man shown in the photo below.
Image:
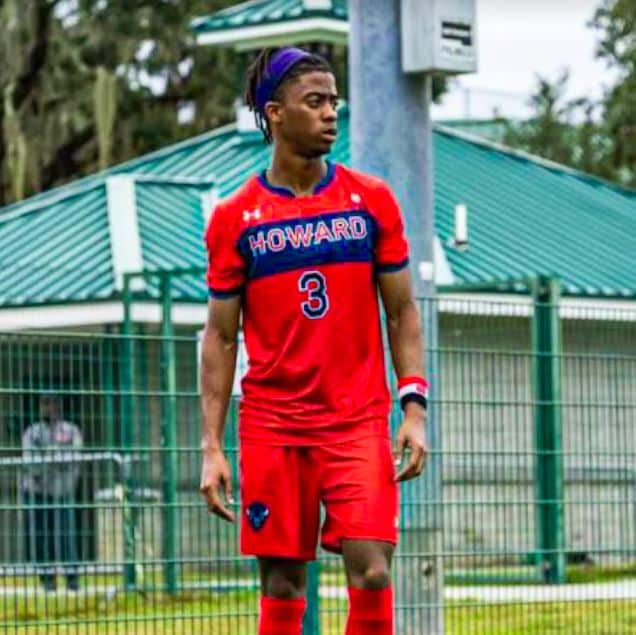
(48, 492)
(301, 250)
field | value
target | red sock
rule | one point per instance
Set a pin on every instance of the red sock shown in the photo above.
(370, 612)
(281, 617)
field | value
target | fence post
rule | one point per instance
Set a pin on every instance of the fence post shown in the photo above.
(311, 622)
(107, 356)
(168, 436)
(547, 418)
(126, 437)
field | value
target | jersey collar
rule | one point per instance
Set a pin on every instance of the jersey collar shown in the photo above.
(284, 191)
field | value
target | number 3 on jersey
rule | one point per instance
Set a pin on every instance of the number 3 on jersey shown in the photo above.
(314, 284)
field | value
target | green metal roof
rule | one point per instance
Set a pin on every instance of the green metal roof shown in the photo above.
(530, 216)
(56, 247)
(263, 22)
(57, 252)
(525, 216)
(267, 12)
(171, 228)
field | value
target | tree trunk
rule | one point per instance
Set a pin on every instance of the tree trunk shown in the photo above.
(63, 164)
(27, 80)
(36, 54)
(3, 193)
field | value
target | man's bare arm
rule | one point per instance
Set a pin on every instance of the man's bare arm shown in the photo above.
(407, 353)
(218, 360)
(403, 323)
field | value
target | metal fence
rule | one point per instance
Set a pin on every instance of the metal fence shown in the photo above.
(536, 523)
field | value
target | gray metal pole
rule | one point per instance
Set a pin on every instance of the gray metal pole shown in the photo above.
(391, 137)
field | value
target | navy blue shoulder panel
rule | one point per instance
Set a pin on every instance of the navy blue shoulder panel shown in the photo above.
(392, 267)
(217, 294)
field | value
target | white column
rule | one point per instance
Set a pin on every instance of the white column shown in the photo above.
(124, 228)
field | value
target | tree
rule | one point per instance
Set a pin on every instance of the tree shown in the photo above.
(564, 131)
(91, 82)
(596, 137)
(616, 19)
(549, 132)
(26, 30)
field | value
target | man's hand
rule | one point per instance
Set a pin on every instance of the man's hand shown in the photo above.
(216, 476)
(411, 436)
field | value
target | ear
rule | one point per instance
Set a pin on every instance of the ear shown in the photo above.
(273, 112)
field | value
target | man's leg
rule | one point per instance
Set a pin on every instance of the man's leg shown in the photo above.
(279, 524)
(368, 568)
(70, 551)
(37, 538)
(283, 601)
(45, 520)
(361, 503)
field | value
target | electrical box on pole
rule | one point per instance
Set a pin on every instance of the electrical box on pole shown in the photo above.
(439, 36)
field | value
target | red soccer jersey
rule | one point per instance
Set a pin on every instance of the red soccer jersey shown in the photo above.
(305, 267)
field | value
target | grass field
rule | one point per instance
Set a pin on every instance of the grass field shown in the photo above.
(234, 613)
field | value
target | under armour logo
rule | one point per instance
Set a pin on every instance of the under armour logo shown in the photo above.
(356, 198)
(248, 216)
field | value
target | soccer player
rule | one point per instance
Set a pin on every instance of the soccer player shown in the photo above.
(301, 251)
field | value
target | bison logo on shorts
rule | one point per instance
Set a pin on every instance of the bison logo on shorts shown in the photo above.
(257, 514)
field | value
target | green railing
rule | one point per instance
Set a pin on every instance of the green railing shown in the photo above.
(536, 401)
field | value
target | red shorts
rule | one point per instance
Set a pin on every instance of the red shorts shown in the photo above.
(282, 488)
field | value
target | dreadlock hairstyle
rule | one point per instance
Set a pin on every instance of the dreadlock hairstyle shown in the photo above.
(258, 71)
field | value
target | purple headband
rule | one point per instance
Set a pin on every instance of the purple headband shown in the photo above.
(278, 67)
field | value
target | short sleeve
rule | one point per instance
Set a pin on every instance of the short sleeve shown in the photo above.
(226, 267)
(391, 249)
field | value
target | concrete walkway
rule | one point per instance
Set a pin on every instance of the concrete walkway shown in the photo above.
(489, 594)
(493, 594)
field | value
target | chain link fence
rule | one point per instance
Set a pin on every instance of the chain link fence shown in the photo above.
(105, 532)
